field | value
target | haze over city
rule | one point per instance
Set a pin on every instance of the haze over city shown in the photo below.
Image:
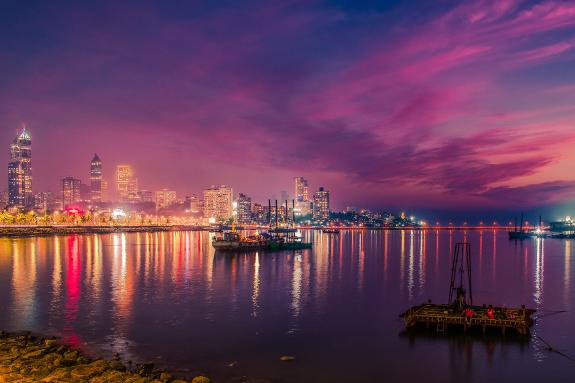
(468, 104)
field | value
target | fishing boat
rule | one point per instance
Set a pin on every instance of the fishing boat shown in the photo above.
(460, 312)
(522, 233)
(234, 241)
(278, 237)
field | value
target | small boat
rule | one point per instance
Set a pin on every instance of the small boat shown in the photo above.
(330, 230)
(234, 241)
(276, 239)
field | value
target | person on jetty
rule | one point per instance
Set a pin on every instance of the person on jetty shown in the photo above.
(490, 312)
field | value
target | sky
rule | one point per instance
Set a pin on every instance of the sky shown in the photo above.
(434, 106)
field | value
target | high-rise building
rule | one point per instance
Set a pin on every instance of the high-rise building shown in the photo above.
(244, 209)
(218, 203)
(126, 182)
(42, 201)
(165, 198)
(85, 192)
(133, 189)
(71, 191)
(20, 171)
(301, 196)
(146, 196)
(3, 199)
(105, 196)
(321, 204)
(194, 204)
(96, 179)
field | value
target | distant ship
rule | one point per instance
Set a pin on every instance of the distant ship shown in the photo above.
(330, 230)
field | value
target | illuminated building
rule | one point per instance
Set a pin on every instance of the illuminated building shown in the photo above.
(244, 209)
(20, 171)
(194, 204)
(165, 198)
(321, 204)
(3, 199)
(42, 201)
(301, 194)
(85, 192)
(96, 179)
(126, 183)
(218, 203)
(105, 196)
(146, 196)
(71, 193)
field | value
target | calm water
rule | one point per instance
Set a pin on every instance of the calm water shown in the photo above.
(168, 298)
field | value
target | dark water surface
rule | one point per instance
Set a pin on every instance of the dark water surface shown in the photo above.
(168, 298)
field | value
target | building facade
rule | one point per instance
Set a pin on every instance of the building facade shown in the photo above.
(71, 192)
(244, 209)
(20, 171)
(165, 198)
(96, 179)
(126, 183)
(218, 203)
(43, 201)
(321, 204)
(301, 196)
(146, 196)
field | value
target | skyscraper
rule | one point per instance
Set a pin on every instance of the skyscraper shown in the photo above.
(244, 209)
(301, 196)
(71, 191)
(218, 203)
(126, 183)
(20, 171)
(96, 179)
(165, 198)
(321, 204)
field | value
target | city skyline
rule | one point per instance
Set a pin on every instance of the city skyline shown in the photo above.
(478, 120)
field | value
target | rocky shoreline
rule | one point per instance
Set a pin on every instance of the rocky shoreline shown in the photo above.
(29, 358)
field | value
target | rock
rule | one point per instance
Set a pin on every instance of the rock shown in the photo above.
(49, 342)
(200, 379)
(71, 355)
(87, 371)
(145, 368)
(58, 374)
(117, 365)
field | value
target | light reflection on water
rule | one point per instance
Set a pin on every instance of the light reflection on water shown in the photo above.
(153, 295)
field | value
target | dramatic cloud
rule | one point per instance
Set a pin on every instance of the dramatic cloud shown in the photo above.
(469, 103)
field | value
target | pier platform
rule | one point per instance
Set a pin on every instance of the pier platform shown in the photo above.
(444, 317)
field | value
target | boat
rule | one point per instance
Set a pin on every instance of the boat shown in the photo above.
(234, 241)
(330, 230)
(460, 312)
(278, 237)
(538, 232)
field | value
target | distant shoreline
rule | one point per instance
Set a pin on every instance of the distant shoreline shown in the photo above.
(33, 231)
(48, 230)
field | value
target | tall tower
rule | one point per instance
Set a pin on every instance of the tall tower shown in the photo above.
(321, 204)
(301, 195)
(125, 181)
(96, 179)
(20, 171)
(71, 192)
